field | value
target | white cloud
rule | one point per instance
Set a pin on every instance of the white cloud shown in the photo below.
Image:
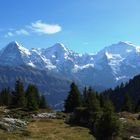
(9, 34)
(37, 27)
(14, 32)
(22, 32)
(45, 28)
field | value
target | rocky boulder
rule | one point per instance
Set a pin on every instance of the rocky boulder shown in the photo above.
(44, 115)
(10, 124)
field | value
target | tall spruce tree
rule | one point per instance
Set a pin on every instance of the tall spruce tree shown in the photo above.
(43, 103)
(108, 105)
(91, 101)
(102, 100)
(74, 98)
(5, 97)
(84, 97)
(32, 95)
(128, 104)
(137, 106)
(108, 126)
(20, 100)
(93, 107)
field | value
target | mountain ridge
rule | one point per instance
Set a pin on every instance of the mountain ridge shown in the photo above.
(120, 61)
(52, 69)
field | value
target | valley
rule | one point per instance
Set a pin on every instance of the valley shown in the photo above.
(69, 70)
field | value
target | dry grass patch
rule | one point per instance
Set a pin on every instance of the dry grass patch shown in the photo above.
(48, 130)
(57, 129)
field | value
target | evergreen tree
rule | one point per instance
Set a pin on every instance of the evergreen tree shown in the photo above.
(74, 99)
(108, 126)
(122, 85)
(102, 100)
(92, 107)
(43, 103)
(84, 97)
(19, 94)
(5, 97)
(92, 102)
(127, 104)
(137, 107)
(32, 96)
(108, 106)
(37, 95)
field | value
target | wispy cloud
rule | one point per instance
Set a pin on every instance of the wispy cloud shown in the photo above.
(44, 28)
(16, 32)
(22, 32)
(37, 27)
(8, 34)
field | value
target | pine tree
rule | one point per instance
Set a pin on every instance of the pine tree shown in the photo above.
(108, 126)
(74, 99)
(20, 100)
(84, 97)
(5, 97)
(108, 106)
(127, 104)
(93, 107)
(37, 95)
(32, 96)
(122, 85)
(92, 102)
(43, 103)
(137, 107)
(102, 101)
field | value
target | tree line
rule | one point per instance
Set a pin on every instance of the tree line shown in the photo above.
(93, 110)
(28, 99)
(125, 97)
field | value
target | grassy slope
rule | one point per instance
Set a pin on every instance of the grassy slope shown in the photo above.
(48, 130)
(132, 125)
(57, 129)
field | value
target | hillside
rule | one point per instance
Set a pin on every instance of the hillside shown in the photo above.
(57, 128)
(41, 128)
(50, 130)
(131, 88)
(54, 87)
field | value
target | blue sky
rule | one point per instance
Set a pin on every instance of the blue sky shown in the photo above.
(82, 25)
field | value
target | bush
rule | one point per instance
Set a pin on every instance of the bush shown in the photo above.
(61, 115)
(108, 127)
(84, 116)
(80, 116)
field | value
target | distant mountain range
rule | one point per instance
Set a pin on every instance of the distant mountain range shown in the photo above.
(53, 68)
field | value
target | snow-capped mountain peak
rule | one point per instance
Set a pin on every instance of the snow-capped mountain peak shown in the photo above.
(60, 46)
(58, 53)
(117, 60)
(15, 46)
(13, 54)
(12, 46)
(123, 49)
